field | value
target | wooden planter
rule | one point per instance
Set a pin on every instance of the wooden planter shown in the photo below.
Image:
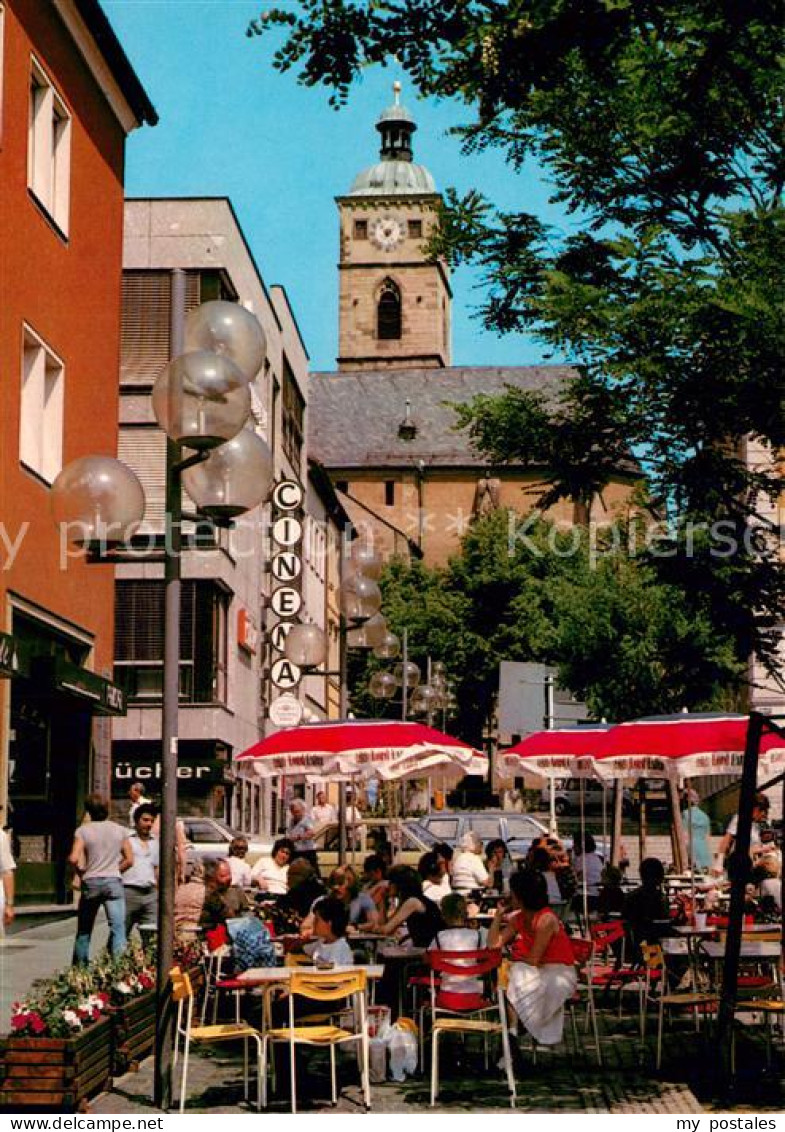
(133, 1032)
(58, 1073)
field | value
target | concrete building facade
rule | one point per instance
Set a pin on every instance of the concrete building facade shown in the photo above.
(226, 577)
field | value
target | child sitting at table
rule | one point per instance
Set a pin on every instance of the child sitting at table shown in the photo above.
(330, 920)
(457, 936)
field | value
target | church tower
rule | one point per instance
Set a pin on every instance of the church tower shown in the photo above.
(394, 302)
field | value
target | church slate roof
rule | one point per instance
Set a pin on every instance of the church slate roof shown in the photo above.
(354, 415)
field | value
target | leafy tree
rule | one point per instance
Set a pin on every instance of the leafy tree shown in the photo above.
(659, 123)
(524, 590)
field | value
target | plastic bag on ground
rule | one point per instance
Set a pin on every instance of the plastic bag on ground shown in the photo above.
(402, 1045)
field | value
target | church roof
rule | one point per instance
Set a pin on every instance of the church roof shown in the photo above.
(354, 415)
(392, 178)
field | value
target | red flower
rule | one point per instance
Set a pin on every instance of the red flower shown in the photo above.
(146, 980)
(19, 1021)
(37, 1024)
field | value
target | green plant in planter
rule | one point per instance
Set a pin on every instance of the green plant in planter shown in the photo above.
(65, 1004)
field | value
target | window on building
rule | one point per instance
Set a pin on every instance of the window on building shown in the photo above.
(361, 229)
(389, 311)
(389, 493)
(146, 317)
(41, 413)
(139, 641)
(49, 148)
(293, 420)
(415, 229)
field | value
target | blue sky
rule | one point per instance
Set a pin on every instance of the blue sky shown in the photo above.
(232, 126)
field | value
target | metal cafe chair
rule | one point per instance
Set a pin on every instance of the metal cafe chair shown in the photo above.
(450, 1016)
(186, 1034)
(324, 987)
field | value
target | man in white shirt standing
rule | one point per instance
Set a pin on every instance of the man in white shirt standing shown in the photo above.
(7, 866)
(323, 812)
(141, 880)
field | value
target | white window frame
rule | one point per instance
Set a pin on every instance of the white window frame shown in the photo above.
(49, 147)
(41, 408)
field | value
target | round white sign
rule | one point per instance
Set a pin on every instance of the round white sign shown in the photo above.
(279, 633)
(286, 566)
(287, 531)
(284, 674)
(286, 601)
(288, 496)
(286, 711)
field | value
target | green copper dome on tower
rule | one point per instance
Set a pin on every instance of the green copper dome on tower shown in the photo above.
(395, 173)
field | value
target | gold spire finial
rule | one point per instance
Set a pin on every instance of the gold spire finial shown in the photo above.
(397, 92)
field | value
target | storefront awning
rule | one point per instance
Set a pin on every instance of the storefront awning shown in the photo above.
(9, 658)
(106, 698)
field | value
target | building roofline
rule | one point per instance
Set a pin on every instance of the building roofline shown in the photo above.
(282, 289)
(326, 489)
(228, 201)
(127, 79)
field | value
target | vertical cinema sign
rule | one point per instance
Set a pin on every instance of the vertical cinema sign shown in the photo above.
(286, 566)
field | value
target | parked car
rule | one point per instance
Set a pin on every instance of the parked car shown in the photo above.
(517, 830)
(408, 842)
(209, 837)
(567, 798)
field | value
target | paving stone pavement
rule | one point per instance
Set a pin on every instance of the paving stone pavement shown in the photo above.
(562, 1081)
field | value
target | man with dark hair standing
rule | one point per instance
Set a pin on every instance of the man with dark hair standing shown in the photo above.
(140, 882)
(100, 854)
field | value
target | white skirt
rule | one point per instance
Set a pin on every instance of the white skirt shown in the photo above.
(538, 995)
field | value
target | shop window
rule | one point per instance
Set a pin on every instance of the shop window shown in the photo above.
(49, 148)
(139, 641)
(41, 415)
(389, 311)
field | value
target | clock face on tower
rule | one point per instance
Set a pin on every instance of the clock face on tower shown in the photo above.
(387, 232)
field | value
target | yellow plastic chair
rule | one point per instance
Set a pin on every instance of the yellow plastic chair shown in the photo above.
(323, 986)
(186, 1033)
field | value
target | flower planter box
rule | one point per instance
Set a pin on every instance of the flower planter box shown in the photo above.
(56, 1073)
(134, 1027)
(133, 1032)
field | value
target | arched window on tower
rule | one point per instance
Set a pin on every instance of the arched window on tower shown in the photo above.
(388, 311)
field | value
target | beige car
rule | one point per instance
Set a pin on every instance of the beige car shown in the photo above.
(407, 842)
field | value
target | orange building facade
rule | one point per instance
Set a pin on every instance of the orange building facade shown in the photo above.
(66, 108)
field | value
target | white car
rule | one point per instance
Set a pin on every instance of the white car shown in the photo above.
(209, 837)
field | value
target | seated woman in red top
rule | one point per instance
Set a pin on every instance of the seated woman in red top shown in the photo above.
(542, 973)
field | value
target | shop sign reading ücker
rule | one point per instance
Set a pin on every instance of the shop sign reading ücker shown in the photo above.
(286, 599)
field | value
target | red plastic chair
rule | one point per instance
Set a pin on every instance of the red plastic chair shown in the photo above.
(583, 951)
(614, 972)
(456, 1013)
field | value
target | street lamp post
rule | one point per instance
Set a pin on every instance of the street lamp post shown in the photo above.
(202, 401)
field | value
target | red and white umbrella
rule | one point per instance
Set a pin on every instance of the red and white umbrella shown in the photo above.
(390, 749)
(682, 746)
(559, 753)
